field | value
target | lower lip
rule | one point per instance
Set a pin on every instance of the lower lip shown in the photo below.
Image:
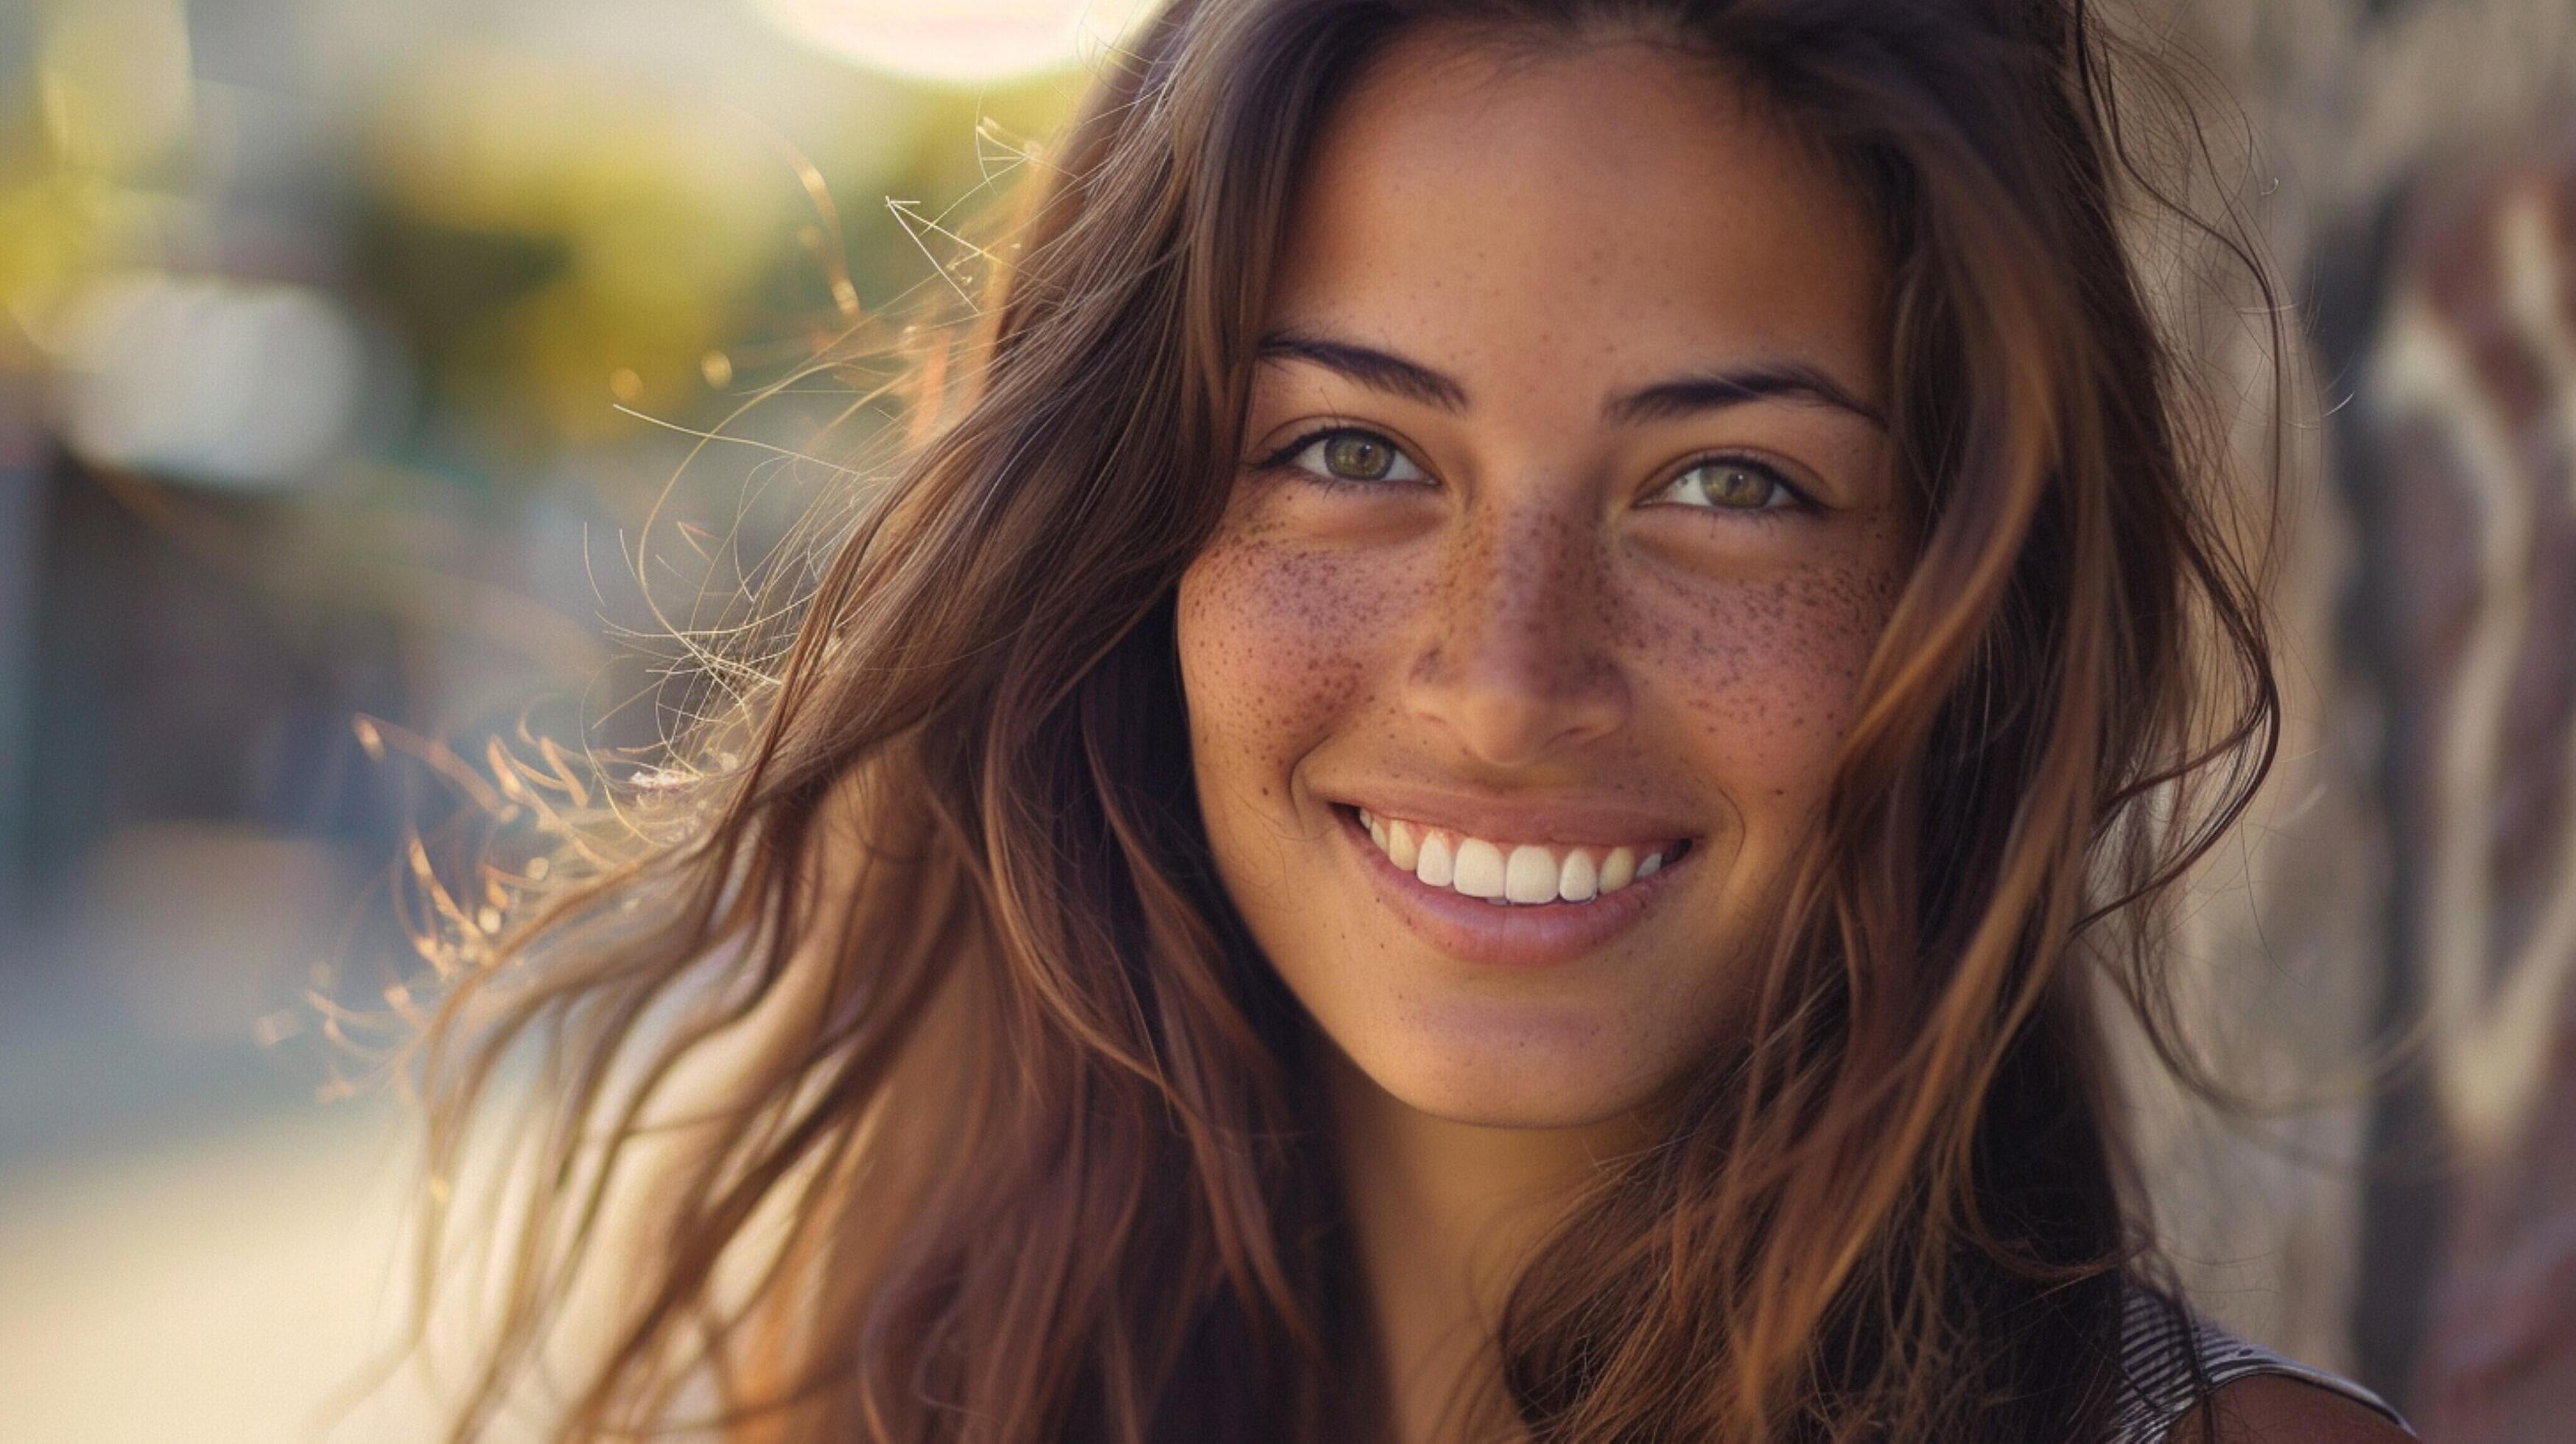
(1507, 935)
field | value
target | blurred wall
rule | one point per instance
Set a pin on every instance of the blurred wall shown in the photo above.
(2411, 879)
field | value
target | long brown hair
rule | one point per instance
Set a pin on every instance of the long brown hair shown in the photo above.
(909, 1076)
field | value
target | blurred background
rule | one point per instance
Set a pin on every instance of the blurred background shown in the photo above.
(348, 347)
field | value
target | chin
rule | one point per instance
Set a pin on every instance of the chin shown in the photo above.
(1503, 1066)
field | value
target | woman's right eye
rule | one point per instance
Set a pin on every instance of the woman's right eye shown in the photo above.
(1349, 456)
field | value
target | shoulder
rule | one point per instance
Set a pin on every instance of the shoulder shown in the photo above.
(2179, 1372)
(2260, 1407)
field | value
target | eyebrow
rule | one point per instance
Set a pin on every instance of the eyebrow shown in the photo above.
(1663, 401)
(1379, 370)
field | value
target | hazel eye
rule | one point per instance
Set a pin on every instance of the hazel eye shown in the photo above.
(1353, 456)
(1733, 484)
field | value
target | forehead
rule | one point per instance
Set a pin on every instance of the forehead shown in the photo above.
(1534, 213)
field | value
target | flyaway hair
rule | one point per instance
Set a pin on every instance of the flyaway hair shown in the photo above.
(910, 1077)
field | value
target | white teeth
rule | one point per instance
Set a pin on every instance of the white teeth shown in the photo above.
(1581, 882)
(1618, 869)
(1436, 867)
(1524, 873)
(1480, 868)
(1529, 876)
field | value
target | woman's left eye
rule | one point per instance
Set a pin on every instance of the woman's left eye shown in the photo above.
(1733, 484)
(1351, 456)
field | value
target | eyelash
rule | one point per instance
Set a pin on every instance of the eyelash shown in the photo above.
(1798, 500)
(1279, 460)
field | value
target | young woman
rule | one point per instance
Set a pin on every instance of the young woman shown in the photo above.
(1486, 786)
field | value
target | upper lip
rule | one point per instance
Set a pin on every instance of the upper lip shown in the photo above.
(1566, 820)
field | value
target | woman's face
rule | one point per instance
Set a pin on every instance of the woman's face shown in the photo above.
(1565, 529)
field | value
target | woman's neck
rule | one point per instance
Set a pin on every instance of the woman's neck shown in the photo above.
(1446, 1215)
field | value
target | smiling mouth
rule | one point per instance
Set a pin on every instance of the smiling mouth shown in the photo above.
(1528, 874)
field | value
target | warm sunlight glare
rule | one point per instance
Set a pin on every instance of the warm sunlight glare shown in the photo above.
(957, 41)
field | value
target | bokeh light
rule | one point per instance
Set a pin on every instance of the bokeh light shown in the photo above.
(235, 383)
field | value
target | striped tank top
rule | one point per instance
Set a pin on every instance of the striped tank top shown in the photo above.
(2157, 1344)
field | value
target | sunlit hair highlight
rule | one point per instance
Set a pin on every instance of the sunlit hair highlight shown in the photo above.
(907, 1075)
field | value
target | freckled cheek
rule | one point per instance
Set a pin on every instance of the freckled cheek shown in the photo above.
(1781, 741)
(1770, 676)
(1275, 648)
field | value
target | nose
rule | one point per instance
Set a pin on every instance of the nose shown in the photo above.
(1518, 663)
